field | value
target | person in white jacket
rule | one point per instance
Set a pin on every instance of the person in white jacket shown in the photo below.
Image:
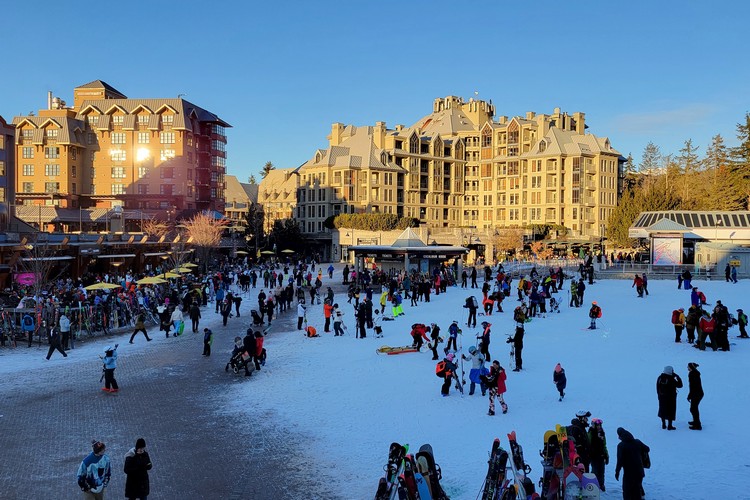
(176, 319)
(301, 310)
(65, 331)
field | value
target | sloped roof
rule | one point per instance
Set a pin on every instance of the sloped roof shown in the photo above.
(356, 150)
(446, 122)
(667, 225)
(67, 128)
(184, 109)
(99, 84)
(408, 238)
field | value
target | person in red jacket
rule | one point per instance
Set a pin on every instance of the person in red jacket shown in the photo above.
(419, 334)
(327, 311)
(259, 356)
(495, 381)
(638, 284)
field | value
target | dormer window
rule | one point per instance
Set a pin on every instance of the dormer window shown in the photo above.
(542, 146)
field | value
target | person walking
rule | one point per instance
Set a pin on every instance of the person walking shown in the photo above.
(177, 320)
(695, 395)
(195, 315)
(630, 453)
(208, 339)
(53, 338)
(727, 272)
(742, 323)
(678, 321)
(598, 450)
(110, 364)
(666, 390)
(137, 465)
(95, 472)
(226, 310)
(495, 382)
(65, 331)
(560, 380)
(140, 327)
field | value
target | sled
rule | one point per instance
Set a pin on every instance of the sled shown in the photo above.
(396, 350)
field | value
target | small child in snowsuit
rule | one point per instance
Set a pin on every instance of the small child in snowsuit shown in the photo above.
(742, 323)
(208, 339)
(448, 371)
(376, 325)
(560, 380)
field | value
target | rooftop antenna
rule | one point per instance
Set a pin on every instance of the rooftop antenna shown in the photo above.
(180, 95)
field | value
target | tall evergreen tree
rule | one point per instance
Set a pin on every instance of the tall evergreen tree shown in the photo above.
(688, 164)
(252, 180)
(267, 169)
(651, 160)
(629, 172)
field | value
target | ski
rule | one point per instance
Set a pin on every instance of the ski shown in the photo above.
(431, 471)
(524, 487)
(562, 439)
(552, 466)
(493, 483)
(409, 478)
(388, 485)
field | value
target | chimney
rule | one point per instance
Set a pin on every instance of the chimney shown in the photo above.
(530, 115)
(502, 119)
(580, 119)
(49, 99)
(336, 130)
(378, 135)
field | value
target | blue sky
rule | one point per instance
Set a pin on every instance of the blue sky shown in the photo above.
(281, 72)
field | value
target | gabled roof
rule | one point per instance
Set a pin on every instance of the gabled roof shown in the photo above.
(99, 84)
(447, 122)
(67, 125)
(183, 110)
(408, 238)
(667, 225)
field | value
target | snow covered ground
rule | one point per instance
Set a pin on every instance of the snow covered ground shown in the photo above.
(352, 402)
(349, 403)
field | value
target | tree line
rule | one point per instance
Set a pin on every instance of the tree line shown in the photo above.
(717, 180)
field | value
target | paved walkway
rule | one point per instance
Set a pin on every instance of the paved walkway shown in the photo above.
(170, 395)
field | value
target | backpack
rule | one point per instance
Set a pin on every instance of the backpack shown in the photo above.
(742, 317)
(474, 302)
(598, 312)
(675, 317)
(440, 369)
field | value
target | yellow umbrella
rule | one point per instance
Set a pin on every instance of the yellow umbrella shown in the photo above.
(151, 280)
(190, 264)
(241, 252)
(170, 275)
(102, 286)
(182, 270)
(288, 251)
(267, 252)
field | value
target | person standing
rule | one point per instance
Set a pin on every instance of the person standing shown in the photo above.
(195, 315)
(65, 331)
(666, 389)
(110, 364)
(464, 277)
(140, 327)
(177, 320)
(695, 395)
(484, 343)
(630, 460)
(28, 326)
(734, 274)
(453, 332)
(574, 294)
(237, 302)
(517, 341)
(477, 370)
(598, 450)
(580, 290)
(560, 380)
(137, 465)
(472, 306)
(448, 369)
(645, 284)
(594, 313)
(495, 382)
(301, 311)
(226, 310)
(691, 322)
(53, 338)
(337, 322)
(474, 277)
(727, 271)
(742, 322)
(435, 336)
(678, 321)
(94, 472)
(208, 339)
(327, 311)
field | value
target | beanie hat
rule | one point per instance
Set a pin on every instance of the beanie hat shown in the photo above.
(668, 370)
(692, 366)
(98, 446)
(450, 356)
(140, 443)
(558, 368)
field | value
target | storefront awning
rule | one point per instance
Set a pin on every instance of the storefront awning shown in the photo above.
(118, 256)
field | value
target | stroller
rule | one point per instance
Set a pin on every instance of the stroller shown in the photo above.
(257, 319)
(554, 305)
(239, 361)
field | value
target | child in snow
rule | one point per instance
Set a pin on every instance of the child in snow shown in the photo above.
(742, 322)
(435, 336)
(376, 325)
(477, 370)
(453, 332)
(495, 381)
(594, 313)
(560, 380)
(208, 339)
(446, 369)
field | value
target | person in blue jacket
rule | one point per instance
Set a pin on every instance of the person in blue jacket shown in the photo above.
(94, 472)
(28, 326)
(110, 363)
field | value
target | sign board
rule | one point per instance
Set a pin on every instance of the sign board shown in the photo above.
(734, 263)
(24, 278)
(666, 251)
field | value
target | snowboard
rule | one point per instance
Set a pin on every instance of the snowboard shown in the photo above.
(550, 454)
(388, 485)
(409, 478)
(562, 439)
(590, 487)
(396, 350)
(431, 471)
(497, 463)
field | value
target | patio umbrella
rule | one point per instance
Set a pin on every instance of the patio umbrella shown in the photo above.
(241, 252)
(170, 275)
(190, 264)
(288, 251)
(267, 252)
(151, 280)
(182, 269)
(102, 286)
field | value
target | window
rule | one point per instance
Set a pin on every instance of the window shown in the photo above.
(117, 120)
(27, 134)
(142, 188)
(166, 173)
(93, 120)
(73, 153)
(92, 189)
(217, 129)
(144, 137)
(93, 172)
(118, 173)
(118, 138)
(52, 152)
(165, 189)
(28, 187)
(542, 145)
(28, 170)
(143, 120)
(190, 174)
(166, 154)
(28, 152)
(167, 120)
(91, 138)
(190, 139)
(213, 192)
(142, 172)
(118, 188)
(218, 146)
(190, 191)
(52, 133)
(117, 155)
(190, 157)
(51, 187)
(166, 137)
(2, 168)
(51, 170)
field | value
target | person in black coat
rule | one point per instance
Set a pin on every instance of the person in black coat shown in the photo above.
(137, 465)
(578, 430)
(629, 459)
(560, 380)
(695, 395)
(195, 315)
(517, 341)
(666, 389)
(472, 306)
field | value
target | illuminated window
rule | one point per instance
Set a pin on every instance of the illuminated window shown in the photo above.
(118, 138)
(117, 155)
(166, 154)
(52, 133)
(166, 137)
(51, 187)
(28, 187)
(117, 120)
(52, 152)
(144, 137)
(118, 172)
(28, 152)
(118, 188)
(28, 169)
(51, 170)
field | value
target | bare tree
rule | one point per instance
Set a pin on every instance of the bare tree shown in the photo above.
(39, 260)
(153, 227)
(541, 251)
(204, 232)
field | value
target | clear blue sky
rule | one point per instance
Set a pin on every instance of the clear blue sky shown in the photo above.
(282, 72)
